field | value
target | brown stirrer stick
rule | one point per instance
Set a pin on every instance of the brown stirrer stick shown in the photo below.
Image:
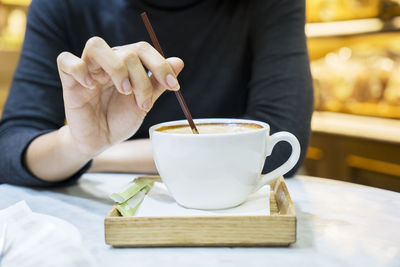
(178, 93)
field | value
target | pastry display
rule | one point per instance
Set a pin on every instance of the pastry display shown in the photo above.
(362, 79)
(332, 10)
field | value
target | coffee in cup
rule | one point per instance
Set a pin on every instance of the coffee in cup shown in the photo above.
(211, 128)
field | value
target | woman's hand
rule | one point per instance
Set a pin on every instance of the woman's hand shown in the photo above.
(107, 92)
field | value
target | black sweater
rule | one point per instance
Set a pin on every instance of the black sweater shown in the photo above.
(243, 59)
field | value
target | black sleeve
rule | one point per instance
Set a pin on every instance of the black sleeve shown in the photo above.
(35, 104)
(281, 92)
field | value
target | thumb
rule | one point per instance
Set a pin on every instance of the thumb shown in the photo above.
(177, 66)
(176, 63)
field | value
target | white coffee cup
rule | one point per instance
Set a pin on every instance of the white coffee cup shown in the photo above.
(217, 171)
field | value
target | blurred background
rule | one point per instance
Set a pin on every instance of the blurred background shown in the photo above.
(354, 48)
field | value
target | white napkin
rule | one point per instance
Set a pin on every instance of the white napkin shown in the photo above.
(33, 239)
(158, 203)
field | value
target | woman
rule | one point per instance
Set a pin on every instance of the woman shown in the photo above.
(244, 59)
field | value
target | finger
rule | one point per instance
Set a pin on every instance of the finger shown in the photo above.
(177, 65)
(99, 56)
(142, 87)
(157, 64)
(73, 70)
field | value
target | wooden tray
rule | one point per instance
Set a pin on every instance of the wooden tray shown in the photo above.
(278, 229)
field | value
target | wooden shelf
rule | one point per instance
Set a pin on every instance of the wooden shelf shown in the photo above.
(357, 149)
(379, 129)
(16, 2)
(351, 27)
(343, 28)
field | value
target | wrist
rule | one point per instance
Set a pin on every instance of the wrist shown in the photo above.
(54, 156)
(67, 142)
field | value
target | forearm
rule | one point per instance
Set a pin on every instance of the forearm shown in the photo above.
(130, 156)
(53, 157)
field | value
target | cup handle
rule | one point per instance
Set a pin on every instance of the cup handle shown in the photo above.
(285, 167)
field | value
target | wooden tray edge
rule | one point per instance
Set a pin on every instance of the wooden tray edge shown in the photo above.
(282, 197)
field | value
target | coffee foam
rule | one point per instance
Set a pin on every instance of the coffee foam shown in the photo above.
(211, 128)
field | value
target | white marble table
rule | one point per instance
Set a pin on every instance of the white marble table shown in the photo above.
(339, 224)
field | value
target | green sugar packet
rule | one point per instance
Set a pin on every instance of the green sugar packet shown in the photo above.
(131, 190)
(129, 207)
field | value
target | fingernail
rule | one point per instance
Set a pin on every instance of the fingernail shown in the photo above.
(147, 104)
(172, 82)
(89, 82)
(126, 85)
